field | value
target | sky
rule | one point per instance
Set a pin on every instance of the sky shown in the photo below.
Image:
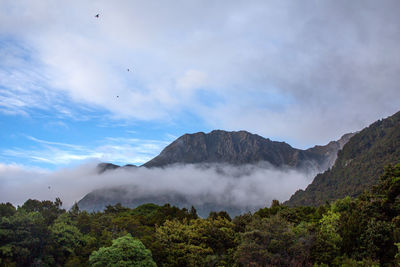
(304, 72)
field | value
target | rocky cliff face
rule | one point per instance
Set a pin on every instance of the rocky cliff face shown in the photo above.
(330, 151)
(242, 147)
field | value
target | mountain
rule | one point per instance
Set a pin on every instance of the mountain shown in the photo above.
(242, 147)
(103, 167)
(234, 148)
(127, 197)
(358, 166)
(330, 150)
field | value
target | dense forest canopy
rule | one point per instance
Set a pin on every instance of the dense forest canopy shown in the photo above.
(362, 231)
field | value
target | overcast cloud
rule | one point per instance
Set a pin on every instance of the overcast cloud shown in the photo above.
(300, 71)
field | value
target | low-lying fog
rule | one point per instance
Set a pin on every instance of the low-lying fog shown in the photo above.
(246, 185)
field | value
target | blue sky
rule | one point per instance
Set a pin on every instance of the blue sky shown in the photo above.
(49, 140)
(302, 72)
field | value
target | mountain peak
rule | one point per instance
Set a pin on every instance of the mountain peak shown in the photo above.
(105, 166)
(236, 147)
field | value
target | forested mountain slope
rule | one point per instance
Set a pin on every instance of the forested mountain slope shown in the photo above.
(358, 166)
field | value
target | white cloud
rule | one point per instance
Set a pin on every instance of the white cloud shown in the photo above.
(76, 147)
(192, 79)
(116, 150)
(52, 155)
(333, 60)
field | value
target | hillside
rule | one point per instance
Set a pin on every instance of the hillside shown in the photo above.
(358, 166)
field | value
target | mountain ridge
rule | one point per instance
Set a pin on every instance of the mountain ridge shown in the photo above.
(236, 148)
(358, 166)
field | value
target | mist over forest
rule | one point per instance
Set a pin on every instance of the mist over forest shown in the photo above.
(244, 186)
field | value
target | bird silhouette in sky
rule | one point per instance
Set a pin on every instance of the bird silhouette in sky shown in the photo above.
(49, 187)
(128, 69)
(97, 16)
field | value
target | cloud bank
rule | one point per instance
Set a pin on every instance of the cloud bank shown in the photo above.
(303, 71)
(243, 186)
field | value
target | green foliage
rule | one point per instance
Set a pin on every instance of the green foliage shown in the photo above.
(49, 210)
(197, 242)
(358, 166)
(362, 231)
(7, 209)
(124, 251)
(378, 239)
(145, 210)
(294, 215)
(344, 261)
(329, 226)
(397, 257)
(66, 238)
(118, 208)
(22, 237)
(240, 222)
(220, 214)
(328, 239)
(274, 242)
(368, 226)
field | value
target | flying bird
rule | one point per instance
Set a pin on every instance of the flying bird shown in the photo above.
(127, 69)
(48, 187)
(97, 16)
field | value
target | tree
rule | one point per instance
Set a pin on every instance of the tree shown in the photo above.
(200, 242)
(66, 238)
(222, 214)
(124, 251)
(273, 242)
(378, 240)
(23, 238)
(49, 210)
(327, 245)
(397, 257)
(180, 245)
(7, 209)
